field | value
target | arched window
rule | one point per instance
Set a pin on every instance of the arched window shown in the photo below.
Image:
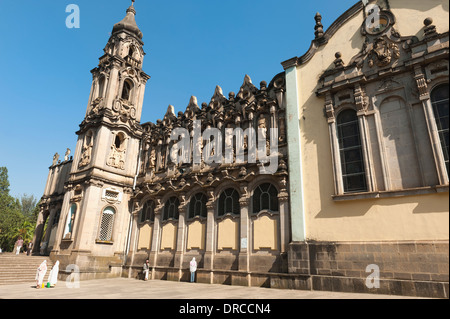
(131, 51)
(119, 141)
(101, 86)
(197, 205)
(106, 224)
(126, 91)
(69, 222)
(229, 202)
(148, 211)
(439, 100)
(352, 164)
(171, 209)
(56, 217)
(265, 197)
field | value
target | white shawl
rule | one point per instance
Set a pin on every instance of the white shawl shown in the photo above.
(41, 271)
(53, 276)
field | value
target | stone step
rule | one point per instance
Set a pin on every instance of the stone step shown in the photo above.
(16, 269)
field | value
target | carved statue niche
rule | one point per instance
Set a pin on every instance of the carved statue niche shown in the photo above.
(86, 150)
(117, 156)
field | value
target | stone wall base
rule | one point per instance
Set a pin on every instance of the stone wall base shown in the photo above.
(416, 268)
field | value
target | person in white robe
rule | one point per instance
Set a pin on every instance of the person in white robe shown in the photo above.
(193, 268)
(40, 274)
(53, 276)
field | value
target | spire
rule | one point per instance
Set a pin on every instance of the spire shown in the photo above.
(128, 23)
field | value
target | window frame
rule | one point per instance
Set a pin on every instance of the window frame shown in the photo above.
(110, 225)
(342, 152)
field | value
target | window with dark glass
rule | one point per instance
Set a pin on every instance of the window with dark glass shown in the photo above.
(439, 100)
(171, 209)
(148, 212)
(197, 206)
(229, 202)
(352, 163)
(126, 91)
(265, 197)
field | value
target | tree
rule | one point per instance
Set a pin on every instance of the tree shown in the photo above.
(28, 204)
(17, 217)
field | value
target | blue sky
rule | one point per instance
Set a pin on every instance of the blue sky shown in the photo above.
(191, 46)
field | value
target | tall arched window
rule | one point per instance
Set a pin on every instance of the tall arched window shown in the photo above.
(229, 202)
(101, 86)
(439, 100)
(106, 224)
(197, 205)
(352, 163)
(265, 197)
(148, 212)
(171, 209)
(126, 91)
(69, 222)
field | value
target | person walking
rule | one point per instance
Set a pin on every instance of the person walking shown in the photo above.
(19, 244)
(146, 269)
(193, 268)
(40, 274)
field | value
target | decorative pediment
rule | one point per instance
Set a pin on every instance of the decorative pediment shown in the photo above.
(218, 99)
(247, 90)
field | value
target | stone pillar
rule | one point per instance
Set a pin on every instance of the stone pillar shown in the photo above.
(134, 233)
(181, 231)
(40, 224)
(210, 238)
(244, 241)
(283, 202)
(153, 257)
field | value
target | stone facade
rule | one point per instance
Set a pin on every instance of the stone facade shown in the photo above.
(344, 179)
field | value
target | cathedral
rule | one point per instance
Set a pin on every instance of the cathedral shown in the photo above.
(332, 173)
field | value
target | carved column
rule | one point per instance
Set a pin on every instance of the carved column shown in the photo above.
(181, 232)
(244, 240)
(39, 230)
(361, 103)
(153, 257)
(283, 202)
(329, 110)
(134, 234)
(209, 249)
(49, 221)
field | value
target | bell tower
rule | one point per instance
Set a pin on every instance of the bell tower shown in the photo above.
(95, 211)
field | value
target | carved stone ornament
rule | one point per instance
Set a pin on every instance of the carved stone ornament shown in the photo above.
(383, 52)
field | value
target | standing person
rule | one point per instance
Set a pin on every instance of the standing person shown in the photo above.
(146, 270)
(40, 274)
(193, 268)
(53, 276)
(19, 244)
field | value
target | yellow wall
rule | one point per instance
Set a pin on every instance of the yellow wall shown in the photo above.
(169, 236)
(403, 218)
(196, 235)
(227, 237)
(265, 233)
(145, 236)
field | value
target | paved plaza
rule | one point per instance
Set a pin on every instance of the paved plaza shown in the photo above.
(123, 288)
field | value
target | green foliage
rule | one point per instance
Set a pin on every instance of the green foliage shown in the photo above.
(17, 217)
